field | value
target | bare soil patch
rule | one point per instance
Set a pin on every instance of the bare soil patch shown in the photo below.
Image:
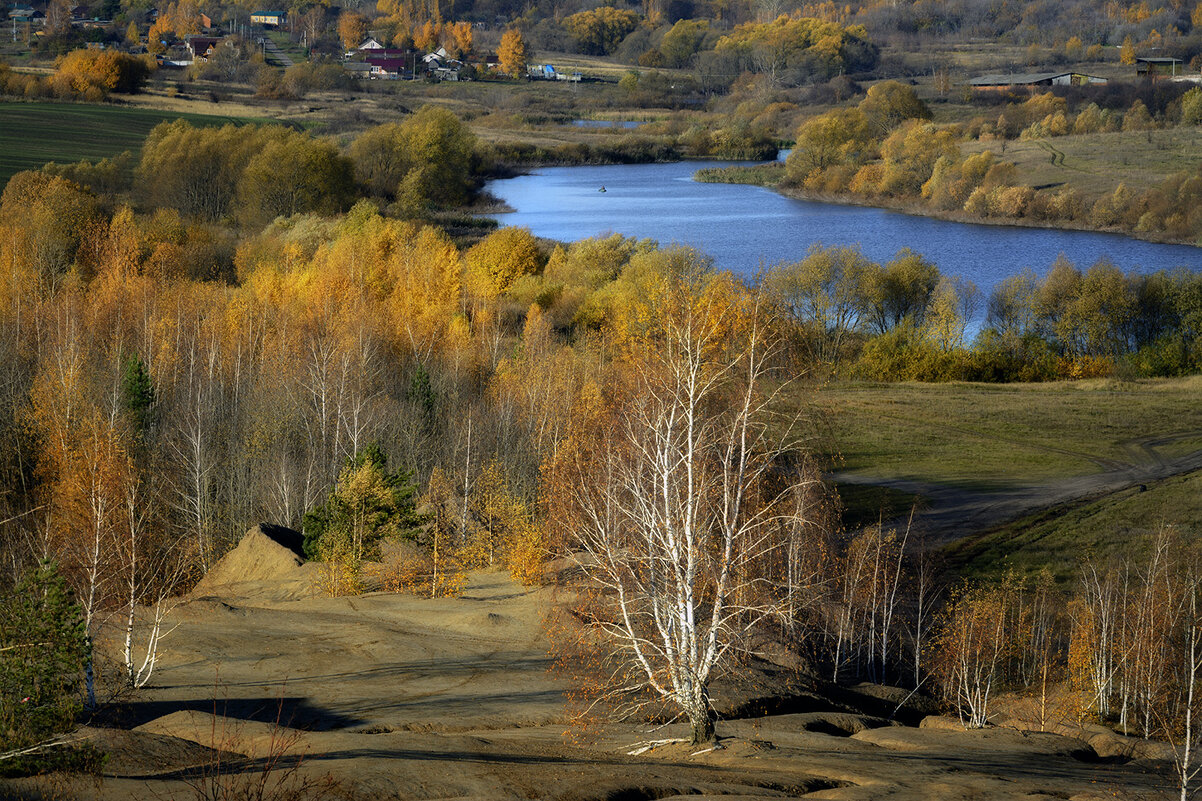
(397, 697)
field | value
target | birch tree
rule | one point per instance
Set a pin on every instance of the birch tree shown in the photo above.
(672, 495)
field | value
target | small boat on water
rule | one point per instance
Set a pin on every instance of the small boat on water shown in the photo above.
(602, 189)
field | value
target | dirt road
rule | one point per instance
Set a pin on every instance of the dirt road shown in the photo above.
(953, 512)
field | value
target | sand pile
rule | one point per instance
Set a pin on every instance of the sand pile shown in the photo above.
(267, 562)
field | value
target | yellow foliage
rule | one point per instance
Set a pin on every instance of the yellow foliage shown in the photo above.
(492, 265)
(512, 53)
(1127, 52)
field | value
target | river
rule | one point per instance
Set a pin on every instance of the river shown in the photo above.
(746, 227)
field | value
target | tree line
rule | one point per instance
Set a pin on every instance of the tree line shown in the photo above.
(904, 320)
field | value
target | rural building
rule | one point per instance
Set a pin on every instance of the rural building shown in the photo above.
(1032, 81)
(387, 68)
(447, 72)
(546, 72)
(441, 67)
(435, 59)
(1156, 67)
(27, 14)
(274, 18)
(370, 44)
(358, 69)
(386, 63)
(392, 52)
(201, 47)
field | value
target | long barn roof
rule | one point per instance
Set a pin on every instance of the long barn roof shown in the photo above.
(1017, 79)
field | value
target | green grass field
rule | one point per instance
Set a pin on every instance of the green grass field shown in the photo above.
(993, 437)
(1061, 537)
(32, 134)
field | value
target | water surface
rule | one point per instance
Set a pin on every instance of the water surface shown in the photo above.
(607, 123)
(746, 227)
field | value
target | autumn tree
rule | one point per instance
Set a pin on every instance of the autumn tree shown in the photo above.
(493, 265)
(890, 103)
(442, 538)
(457, 38)
(425, 162)
(197, 170)
(294, 174)
(352, 28)
(498, 517)
(671, 494)
(794, 49)
(58, 18)
(44, 218)
(1191, 107)
(512, 53)
(843, 136)
(1127, 51)
(368, 505)
(976, 642)
(93, 74)
(826, 295)
(900, 291)
(599, 31)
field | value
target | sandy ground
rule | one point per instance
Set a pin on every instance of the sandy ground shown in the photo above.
(388, 696)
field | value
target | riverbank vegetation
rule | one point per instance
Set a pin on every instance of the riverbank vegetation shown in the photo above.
(906, 161)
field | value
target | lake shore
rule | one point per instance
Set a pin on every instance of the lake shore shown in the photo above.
(903, 206)
(745, 228)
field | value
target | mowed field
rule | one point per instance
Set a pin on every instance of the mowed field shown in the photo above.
(32, 134)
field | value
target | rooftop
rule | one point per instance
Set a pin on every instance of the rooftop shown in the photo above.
(1016, 79)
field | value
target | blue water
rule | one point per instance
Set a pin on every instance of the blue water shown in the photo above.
(607, 123)
(747, 227)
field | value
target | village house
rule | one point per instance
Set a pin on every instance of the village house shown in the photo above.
(201, 47)
(387, 68)
(269, 18)
(27, 14)
(386, 63)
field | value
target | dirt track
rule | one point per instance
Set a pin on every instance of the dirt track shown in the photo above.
(952, 513)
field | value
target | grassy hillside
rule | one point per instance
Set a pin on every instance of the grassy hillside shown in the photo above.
(1096, 163)
(992, 437)
(32, 134)
(1060, 537)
